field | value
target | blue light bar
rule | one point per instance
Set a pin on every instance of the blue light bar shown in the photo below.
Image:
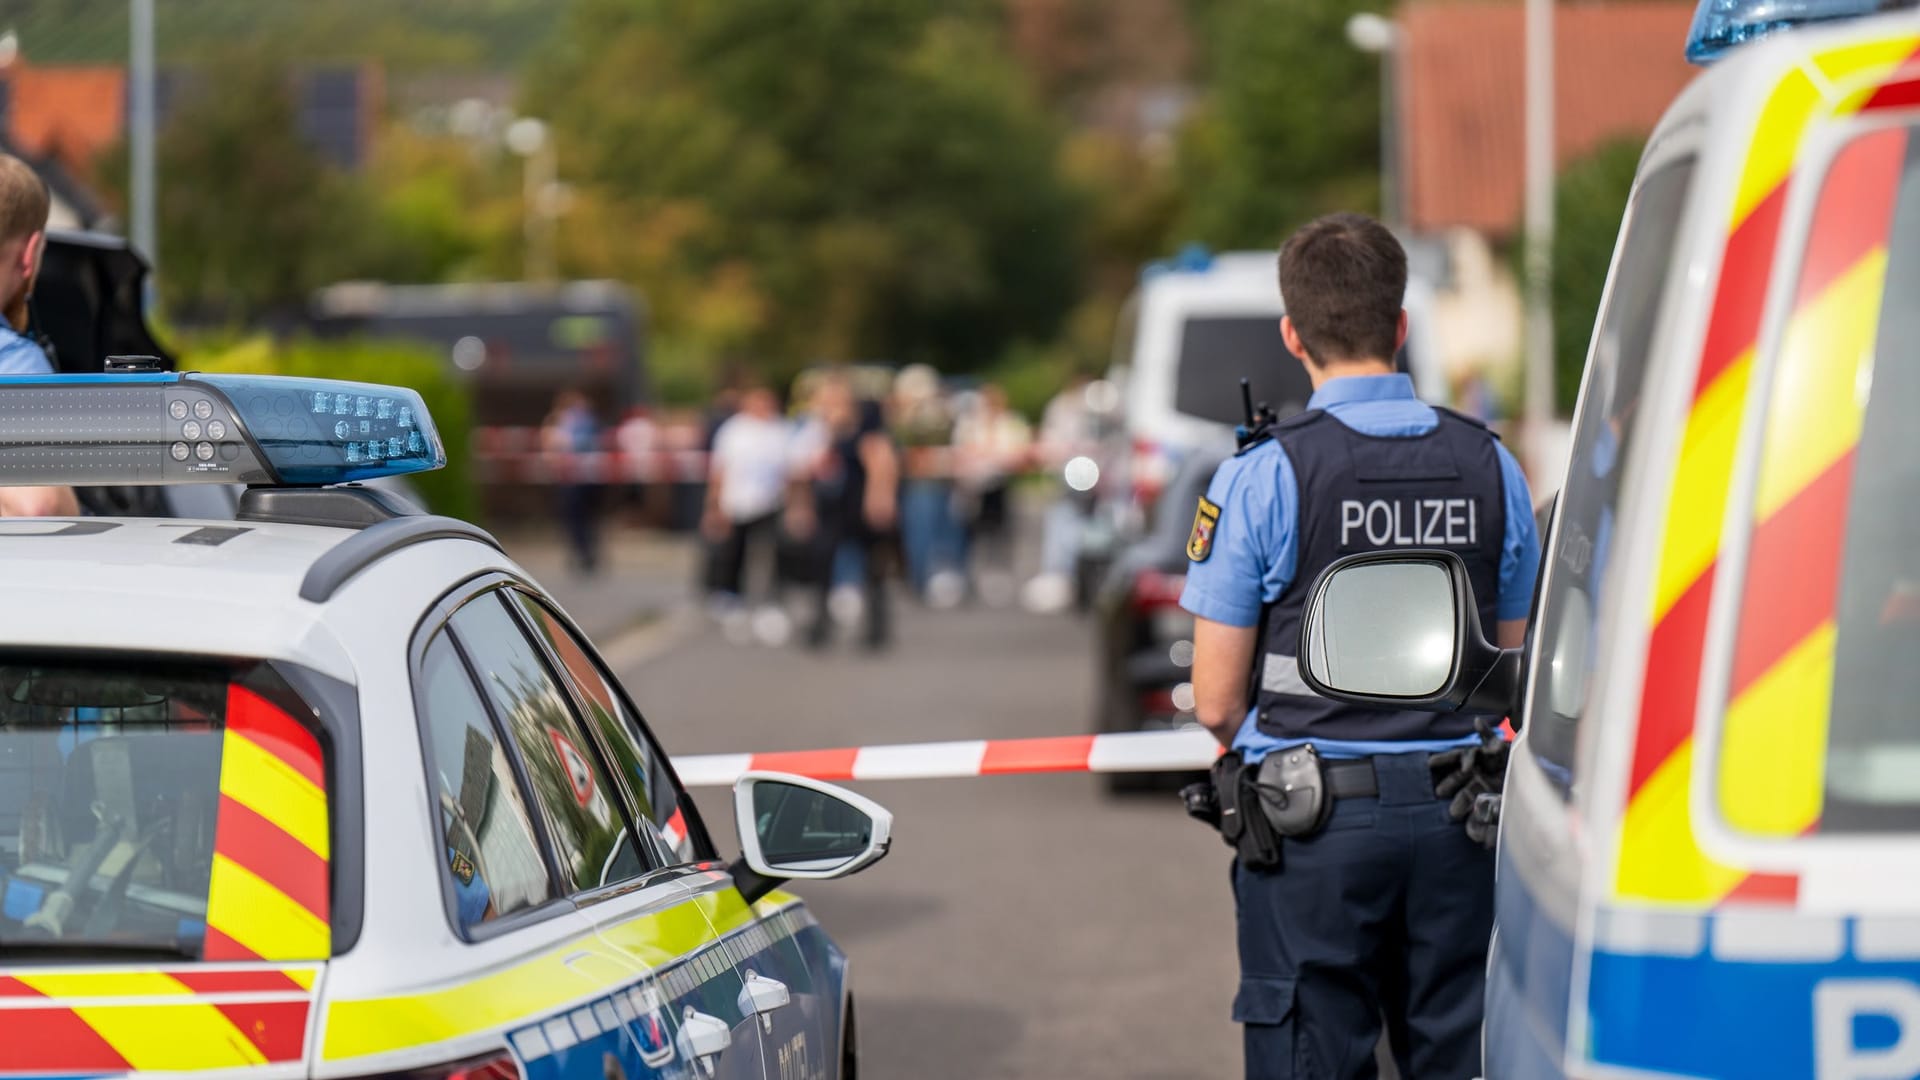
(1719, 25)
(147, 429)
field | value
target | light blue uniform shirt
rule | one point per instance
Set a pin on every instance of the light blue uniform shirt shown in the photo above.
(1255, 542)
(21, 355)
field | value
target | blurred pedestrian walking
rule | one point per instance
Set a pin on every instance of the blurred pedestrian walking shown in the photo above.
(855, 479)
(748, 474)
(991, 442)
(931, 536)
(571, 431)
(1068, 430)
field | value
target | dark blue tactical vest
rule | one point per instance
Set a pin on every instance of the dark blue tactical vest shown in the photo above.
(1359, 492)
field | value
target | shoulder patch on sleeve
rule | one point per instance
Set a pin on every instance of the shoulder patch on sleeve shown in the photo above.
(1200, 541)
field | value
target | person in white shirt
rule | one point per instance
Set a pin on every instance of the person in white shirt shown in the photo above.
(748, 475)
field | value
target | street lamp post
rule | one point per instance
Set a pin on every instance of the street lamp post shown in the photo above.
(140, 125)
(532, 141)
(1539, 226)
(1376, 34)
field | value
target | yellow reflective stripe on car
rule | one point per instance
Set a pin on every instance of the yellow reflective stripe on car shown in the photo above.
(1781, 719)
(528, 989)
(1698, 499)
(1776, 142)
(1818, 398)
(538, 987)
(271, 788)
(264, 919)
(103, 984)
(165, 1036)
(662, 937)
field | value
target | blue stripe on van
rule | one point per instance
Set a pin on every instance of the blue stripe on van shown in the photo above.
(1701, 1016)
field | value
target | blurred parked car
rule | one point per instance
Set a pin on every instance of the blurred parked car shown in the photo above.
(1145, 639)
(1196, 327)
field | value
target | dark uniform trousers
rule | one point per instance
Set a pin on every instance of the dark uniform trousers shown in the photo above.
(1388, 910)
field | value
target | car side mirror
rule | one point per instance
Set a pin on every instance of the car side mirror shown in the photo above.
(792, 827)
(1401, 629)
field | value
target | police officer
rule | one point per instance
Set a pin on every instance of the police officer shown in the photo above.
(24, 205)
(1384, 907)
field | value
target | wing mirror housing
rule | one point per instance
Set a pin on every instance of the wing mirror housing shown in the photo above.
(792, 827)
(1401, 629)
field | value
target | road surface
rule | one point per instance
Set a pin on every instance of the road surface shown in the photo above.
(1022, 926)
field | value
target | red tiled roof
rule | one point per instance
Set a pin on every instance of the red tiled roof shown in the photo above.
(1462, 112)
(73, 111)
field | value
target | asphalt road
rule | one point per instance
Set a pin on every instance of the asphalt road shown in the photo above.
(1022, 926)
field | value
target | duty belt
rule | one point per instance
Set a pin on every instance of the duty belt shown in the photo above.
(1354, 779)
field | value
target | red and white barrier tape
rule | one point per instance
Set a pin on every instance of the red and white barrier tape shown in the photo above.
(515, 455)
(1139, 751)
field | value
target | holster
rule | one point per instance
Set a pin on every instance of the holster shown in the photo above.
(1243, 820)
(1292, 789)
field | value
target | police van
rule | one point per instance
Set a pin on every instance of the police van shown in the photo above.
(331, 788)
(1709, 857)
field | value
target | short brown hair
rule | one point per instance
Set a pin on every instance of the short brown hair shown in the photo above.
(1343, 280)
(24, 201)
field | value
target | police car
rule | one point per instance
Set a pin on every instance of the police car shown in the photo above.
(334, 789)
(1710, 846)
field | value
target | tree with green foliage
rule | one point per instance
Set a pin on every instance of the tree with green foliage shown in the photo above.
(252, 220)
(805, 182)
(249, 212)
(1589, 201)
(1289, 126)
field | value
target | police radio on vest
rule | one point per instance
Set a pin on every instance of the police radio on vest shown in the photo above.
(1411, 522)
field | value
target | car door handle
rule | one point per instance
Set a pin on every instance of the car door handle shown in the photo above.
(703, 1036)
(760, 995)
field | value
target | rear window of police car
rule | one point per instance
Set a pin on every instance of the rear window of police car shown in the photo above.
(159, 808)
(1821, 732)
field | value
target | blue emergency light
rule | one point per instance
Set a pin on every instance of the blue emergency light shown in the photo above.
(1719, 25)
(163, 428)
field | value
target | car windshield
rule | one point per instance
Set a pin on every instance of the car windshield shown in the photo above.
(142, 803)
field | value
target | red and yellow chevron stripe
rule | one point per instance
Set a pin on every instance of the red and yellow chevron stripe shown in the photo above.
(267, 899)
(97, 1021)
(1803, 472)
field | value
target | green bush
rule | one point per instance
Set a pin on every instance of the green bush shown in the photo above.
(396, 363)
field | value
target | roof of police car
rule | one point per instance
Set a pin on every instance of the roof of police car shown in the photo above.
(244, 563)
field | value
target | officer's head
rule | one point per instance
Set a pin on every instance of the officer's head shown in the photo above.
(23, 226)
(1343, 278)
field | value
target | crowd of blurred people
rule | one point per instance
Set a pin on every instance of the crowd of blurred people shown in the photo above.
(862, 477)
(815, 498)
(818, 496)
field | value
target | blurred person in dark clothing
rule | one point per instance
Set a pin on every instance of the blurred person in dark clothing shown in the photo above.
(572, 430)
(855, 476)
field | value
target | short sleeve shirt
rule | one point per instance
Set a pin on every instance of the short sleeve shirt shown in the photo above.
(21, 355)
(1256, 547)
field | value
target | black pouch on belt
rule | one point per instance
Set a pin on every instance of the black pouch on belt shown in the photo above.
(1293, 791)
(1243, 824)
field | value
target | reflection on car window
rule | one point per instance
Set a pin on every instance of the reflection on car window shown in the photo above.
(1829, 629)
(1579, 576)
(647, 779)
(581, 810)
(492, 858)
(112, 799)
